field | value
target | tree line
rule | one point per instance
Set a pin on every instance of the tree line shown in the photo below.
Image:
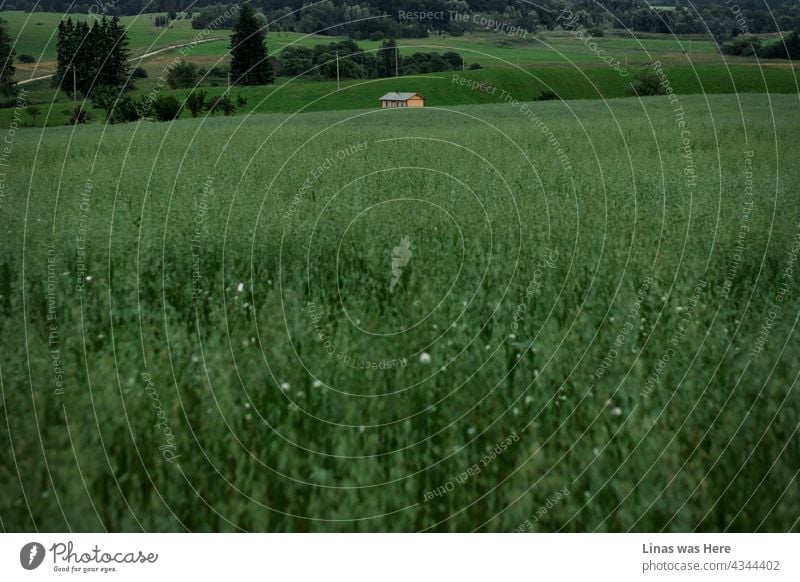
(378, 19)
(722, 20)
(786, 48)
(320, 62)
(372, 21)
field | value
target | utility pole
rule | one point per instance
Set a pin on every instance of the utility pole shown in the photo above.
(396, 52)
(337, 70)
(74, 87)
(229, 81)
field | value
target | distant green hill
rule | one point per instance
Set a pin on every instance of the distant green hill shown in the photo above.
(442, 89)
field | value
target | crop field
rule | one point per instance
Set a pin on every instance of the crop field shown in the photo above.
(549, 316)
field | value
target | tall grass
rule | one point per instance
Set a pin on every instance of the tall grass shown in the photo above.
(523, 275)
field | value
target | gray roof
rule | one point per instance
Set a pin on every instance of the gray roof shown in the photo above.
(394, 96)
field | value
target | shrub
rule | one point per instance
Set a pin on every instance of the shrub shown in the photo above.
(547, 96)
(126, 110)
(26, 58)
(105, 97)
(744, 46)
(183, 76)
(377, 35)
(453, 59)
(646, 82)
(219, 71)
(787, 48)
(33, 111)
(139, 73)
(196, 102)
(166, 108)
(224, 104)
(474, 66)
(119, 108)
(78, 115)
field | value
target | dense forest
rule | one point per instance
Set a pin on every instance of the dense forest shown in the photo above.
(377, 19)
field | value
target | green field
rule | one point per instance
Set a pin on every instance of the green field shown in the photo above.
(35, 34)
(525, 68)
(494, 85)
(580, 313)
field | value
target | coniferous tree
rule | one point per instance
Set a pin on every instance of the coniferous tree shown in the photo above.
(388, 58)
(65, 51)
(92, 57)
(93, 53)
(83, 60)
(249, 65)
(117, 63)
(7, 85)
(70, 68)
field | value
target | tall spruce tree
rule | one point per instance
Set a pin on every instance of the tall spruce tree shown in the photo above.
(8, 87)
(84, 59)
(70, 69)
(388, 58)
(116, 70)
(249, 65)
(94, 52)
(65, 51)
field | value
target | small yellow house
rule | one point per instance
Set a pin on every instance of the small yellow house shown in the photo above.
(394, 100)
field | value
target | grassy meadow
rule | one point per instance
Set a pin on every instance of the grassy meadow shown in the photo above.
(35, 33)
(207, 325)
(442, 89)
(555, 61)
